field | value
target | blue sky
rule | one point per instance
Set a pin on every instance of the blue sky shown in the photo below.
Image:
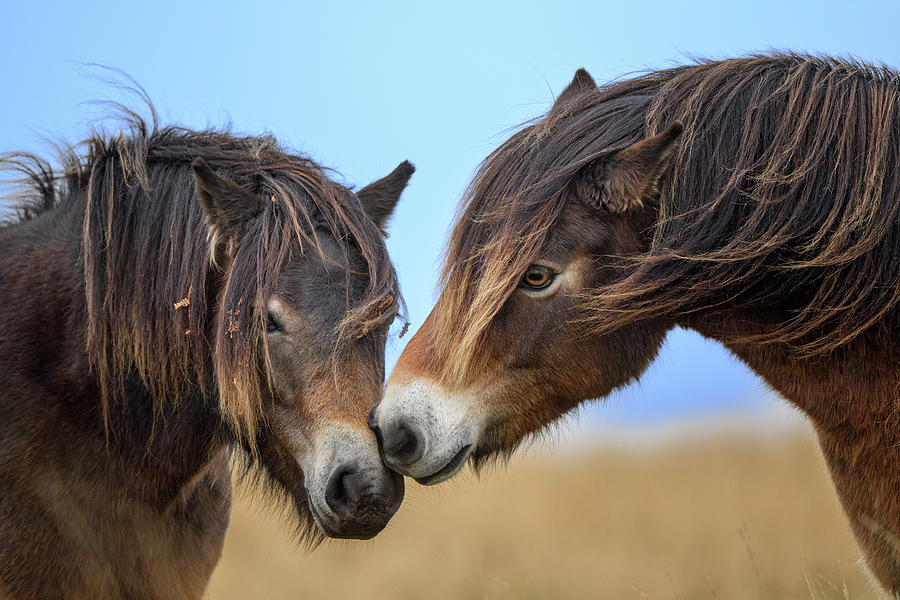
(362, 86)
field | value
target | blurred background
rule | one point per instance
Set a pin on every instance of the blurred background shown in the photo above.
(696, 482)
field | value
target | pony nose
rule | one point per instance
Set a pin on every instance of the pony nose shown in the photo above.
(344, 489)
(372, 420)
(362, 501)
(402, 442)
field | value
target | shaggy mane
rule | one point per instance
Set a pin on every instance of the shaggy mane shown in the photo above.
(784, 194)
(158, 305)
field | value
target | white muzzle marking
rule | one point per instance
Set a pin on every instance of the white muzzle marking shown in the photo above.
(448, 427)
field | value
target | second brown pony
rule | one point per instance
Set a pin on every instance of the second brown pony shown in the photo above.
(754, 200)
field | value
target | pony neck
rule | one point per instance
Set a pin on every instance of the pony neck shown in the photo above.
(855, 387)
(852, 398)
(152, 454)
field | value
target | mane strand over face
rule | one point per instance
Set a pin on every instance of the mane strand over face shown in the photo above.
(158, 306)
(782, 199)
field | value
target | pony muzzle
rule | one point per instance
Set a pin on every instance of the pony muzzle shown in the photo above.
(351, 494)
(423, 433)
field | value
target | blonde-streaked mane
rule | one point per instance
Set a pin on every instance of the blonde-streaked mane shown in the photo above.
(784, 193)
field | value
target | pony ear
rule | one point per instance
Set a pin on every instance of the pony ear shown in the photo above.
(380, 197)
(582, 82)
(228, 206)
(622, 181)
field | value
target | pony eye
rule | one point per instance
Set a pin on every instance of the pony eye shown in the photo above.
(272, 324)
(538, 277)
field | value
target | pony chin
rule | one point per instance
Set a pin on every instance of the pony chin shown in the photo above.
(268, 482)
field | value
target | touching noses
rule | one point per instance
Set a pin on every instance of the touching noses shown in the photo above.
(423, 434)
(402, 443)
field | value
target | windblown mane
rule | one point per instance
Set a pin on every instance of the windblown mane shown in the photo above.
(784, 194)
(158, 304)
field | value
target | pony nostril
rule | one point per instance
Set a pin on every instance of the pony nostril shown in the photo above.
(361, 500)
(343, 490)
(403, 444)
(373, 419)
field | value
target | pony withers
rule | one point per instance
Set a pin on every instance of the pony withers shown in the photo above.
(755, 200)
(175, 300)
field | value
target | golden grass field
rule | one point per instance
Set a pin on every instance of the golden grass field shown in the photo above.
(725, 516)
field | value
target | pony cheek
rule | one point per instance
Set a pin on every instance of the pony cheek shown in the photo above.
(286, 374)
(288, 425)
(522, 411)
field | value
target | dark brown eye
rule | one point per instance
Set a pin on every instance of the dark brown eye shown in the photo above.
(272, 324)
(537, 277)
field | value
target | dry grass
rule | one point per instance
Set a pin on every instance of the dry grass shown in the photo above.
(716, 518)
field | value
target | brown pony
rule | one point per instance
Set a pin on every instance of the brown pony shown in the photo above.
(755, 200)
(175, 300)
